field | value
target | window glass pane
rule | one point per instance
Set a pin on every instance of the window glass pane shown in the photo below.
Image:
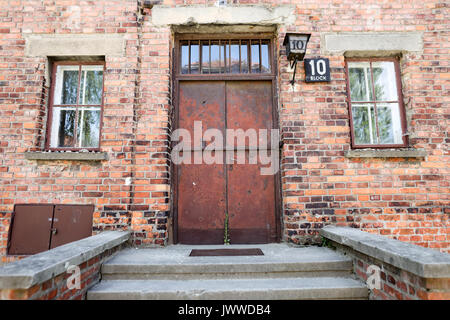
(215, 57)
(360, 81)
(234, 51)
(244, 57)
(205, 57)
(184, 58)
(265, 64)
(364, 127)
(255, 56)
(88, 130)
(66, 85)
(91, 85)
(63, 128)
(224, 57)
(195, 56)
(389, 124)
(385, 81)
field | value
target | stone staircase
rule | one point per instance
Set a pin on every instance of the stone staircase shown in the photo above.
(283, 272)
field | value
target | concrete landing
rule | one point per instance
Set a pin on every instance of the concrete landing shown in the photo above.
(279, 260)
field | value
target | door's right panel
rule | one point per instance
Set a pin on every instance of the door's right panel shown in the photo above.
(71, 223)
(251, 195)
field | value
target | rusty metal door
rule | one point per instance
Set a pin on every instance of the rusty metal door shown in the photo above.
(30, 230)
(206, 192)
(251, 196)
(71, 223)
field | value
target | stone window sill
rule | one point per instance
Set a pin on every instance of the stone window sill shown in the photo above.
(386, 153)
(74, 156)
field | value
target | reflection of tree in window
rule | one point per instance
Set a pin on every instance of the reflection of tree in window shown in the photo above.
(379, 90)
(385, 124)
(70, 86)
(356, 83)
(362, 127)
(91, 87)
(88, 128)
(66, 128)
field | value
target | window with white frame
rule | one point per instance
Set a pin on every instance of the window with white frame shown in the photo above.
(376, 111)
(76, 106)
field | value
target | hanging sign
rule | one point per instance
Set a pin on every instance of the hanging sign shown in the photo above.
(317, 70)
(296, 45)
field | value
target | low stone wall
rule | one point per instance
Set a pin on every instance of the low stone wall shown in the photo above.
(406, 271)
(45, 276)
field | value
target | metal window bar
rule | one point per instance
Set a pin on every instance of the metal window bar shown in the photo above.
(220, 57)
(209, 41)
(260, 56)
(249, 55)
(229, 55)
(240, 59)
(189, 57)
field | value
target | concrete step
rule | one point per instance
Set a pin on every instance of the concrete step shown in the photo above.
(174, 263)
(235, 289)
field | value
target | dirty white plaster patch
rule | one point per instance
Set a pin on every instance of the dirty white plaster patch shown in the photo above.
(44, 45)
(257, 14)
(358, 43)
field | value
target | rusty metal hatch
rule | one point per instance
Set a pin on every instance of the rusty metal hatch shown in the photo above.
(40, 227)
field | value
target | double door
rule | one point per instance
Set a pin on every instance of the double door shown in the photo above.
(229, 198)
(40, 227)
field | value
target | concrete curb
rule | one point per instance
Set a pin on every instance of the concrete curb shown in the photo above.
(41, 267)
(424, 262)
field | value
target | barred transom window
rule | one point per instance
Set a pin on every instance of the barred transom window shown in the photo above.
(225, 56)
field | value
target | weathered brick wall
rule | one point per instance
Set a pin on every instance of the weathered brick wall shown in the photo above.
(133, 184)
(402, 198)
(407, 199)
(151, 185)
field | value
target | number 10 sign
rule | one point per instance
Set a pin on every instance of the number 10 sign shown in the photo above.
(317, 70)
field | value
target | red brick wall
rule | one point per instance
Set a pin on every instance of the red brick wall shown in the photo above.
(402, 198)
(135, 120)
(406, 199)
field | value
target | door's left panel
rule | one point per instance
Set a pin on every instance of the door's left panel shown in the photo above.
(201, 186)
(31, 229)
